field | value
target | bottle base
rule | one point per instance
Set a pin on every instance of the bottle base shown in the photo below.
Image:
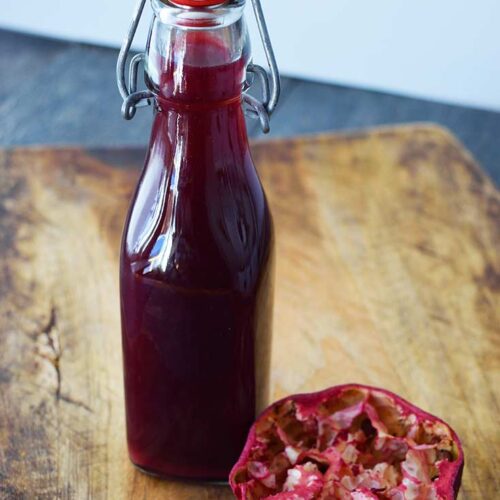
(178, 478)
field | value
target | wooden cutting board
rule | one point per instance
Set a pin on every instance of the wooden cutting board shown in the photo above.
(388, 274)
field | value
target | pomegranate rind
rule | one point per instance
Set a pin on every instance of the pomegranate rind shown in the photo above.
(293, 457)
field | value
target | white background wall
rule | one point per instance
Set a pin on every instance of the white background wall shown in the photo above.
(440, 49)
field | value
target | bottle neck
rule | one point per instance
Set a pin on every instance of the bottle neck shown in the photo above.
(197, 58)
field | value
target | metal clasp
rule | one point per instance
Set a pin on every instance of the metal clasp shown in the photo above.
(254, 108)
(132, 98)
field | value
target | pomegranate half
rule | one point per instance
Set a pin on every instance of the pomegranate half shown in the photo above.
(348, 442)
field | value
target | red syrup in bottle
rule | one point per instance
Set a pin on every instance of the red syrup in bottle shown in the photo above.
(196, 274)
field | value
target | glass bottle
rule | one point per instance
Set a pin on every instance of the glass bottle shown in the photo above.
(197, 254)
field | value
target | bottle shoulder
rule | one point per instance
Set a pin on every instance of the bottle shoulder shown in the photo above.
(210, 228)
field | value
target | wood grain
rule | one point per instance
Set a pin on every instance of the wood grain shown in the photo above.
(388, 274)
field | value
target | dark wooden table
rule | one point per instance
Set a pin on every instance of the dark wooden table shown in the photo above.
(65, 93)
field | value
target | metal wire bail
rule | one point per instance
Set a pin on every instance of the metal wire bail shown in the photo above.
(271, 87)
(254, 108)
(132, 99)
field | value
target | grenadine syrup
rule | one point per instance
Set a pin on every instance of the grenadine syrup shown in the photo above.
(196, 272)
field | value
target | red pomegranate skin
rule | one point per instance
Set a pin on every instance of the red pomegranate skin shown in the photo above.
(350, 441)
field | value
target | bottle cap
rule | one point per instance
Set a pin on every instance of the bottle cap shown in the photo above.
(198, 3)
